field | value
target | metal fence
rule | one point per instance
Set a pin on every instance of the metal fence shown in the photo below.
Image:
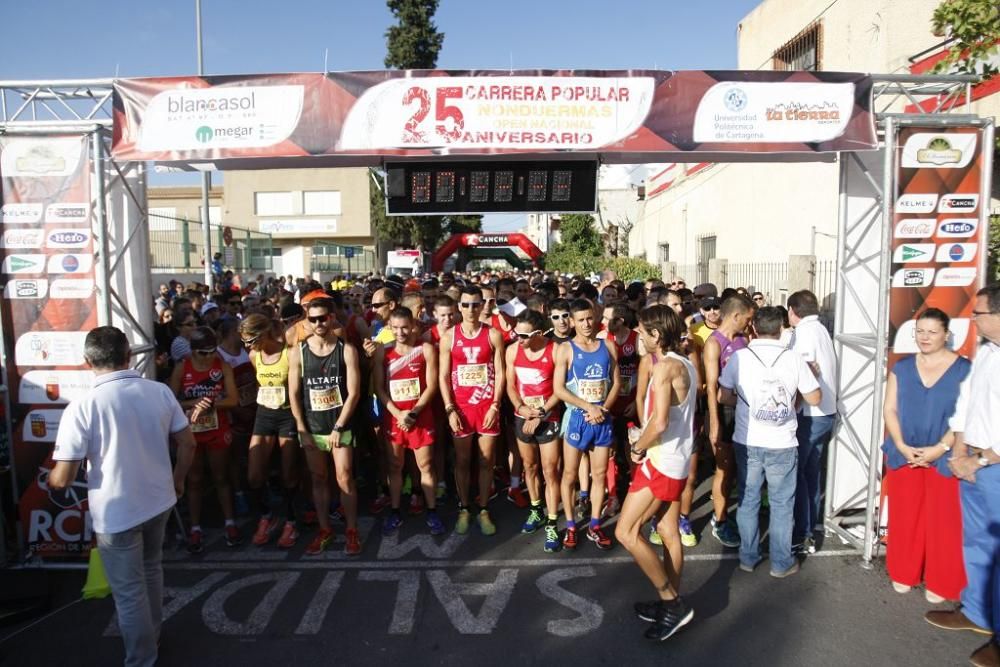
(341, 259)
(175, 244)
(769, 278)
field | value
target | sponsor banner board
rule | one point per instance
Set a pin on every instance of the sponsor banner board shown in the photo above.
(937, 233)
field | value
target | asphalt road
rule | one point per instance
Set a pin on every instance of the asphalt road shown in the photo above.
(416, 600)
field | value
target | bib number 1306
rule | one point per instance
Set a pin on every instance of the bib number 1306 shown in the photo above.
(415, 130)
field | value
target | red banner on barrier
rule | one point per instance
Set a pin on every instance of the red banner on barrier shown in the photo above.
(938, 241)
(362, 117)
(48, 306)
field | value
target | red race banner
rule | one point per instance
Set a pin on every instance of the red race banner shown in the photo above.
(358, 118)
(939, 232)
(48, 306)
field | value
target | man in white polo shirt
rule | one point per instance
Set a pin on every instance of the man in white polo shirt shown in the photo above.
(811, 341)
(762, 381)
(122, 428)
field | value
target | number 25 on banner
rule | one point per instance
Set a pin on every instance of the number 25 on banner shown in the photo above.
(412, 132)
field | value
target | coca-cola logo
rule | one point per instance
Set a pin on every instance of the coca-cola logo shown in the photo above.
(914, 229)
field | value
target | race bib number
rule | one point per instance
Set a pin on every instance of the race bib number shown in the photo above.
(627, 385)
(536, 402)
(322, 400)
(404, 390)
(206, 421)
(247, 394)
(271, 397)
(591, 391)
(472, 375)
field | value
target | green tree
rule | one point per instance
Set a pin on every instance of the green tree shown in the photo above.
(580, 249)
(414, 42)
(975, 27)
(993, 261)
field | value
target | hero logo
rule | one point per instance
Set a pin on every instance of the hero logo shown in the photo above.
(20, 214)
(914, 229)
(916, 203)
(913, 278)
(956, 252)
(958, 203)
(68, 238)
(958, 228)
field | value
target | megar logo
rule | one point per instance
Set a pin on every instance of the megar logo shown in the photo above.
(204, 134)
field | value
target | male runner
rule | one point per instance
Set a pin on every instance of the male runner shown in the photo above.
(587, 380)
(663, 451)
(405, 377)
(444, 320)
(324, 380)
(619, 321)
(537, 410)
(471, 380)
(562, 321)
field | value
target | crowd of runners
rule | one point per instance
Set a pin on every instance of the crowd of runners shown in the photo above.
(579, 400)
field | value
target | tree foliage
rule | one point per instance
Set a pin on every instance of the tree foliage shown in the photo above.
(632, 268)
(975, 27)
(993, 262)
(414, 42)
(580, 249)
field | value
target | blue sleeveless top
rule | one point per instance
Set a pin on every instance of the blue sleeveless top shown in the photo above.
(590, 373)
(924, 411)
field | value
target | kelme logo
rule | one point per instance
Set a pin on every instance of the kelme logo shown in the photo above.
(204, 134)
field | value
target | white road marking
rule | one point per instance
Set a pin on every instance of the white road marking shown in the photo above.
(405, 610)
(449, 593)
(312, 620)
(591, 614)
(213, 613)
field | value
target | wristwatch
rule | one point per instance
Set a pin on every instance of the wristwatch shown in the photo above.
(983, 461)
(337, 428)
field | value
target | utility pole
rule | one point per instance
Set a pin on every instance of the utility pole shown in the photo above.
(206, 177)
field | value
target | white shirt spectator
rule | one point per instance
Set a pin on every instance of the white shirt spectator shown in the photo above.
(811, 341)
(977, 413)
(766, 378)
(122, 428)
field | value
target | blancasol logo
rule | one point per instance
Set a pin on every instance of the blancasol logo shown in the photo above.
(913, 278)
(914, 252)
(780, 111)
(223, 117)
(71, 288)
(957, 228)
(914, 228)
(60, 263)
(956, 252)
(20, 214)
(67, 213)
(956, 203)
(68, 238)
(23, 238)
(40, 157)
(916, 203)
(26, 289)
(906, 336)
(20, 264)
(952, 277)
(945, 151)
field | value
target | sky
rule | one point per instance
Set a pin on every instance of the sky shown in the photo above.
(71, 39)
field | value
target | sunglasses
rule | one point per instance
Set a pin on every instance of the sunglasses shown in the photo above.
(526, 336)
(186, 324)
(470, 304)
(758, 298)
(235, 303)
(556, 318)
(206, 352)
(710, 308)
(251, 341)
(378, 304)
(318, 319)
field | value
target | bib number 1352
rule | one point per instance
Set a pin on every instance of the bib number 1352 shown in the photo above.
(415, 129)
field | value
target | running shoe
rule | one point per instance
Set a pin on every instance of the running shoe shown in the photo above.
(233, 537)
(486, 525)
(671, 617)
(569, 539)
(265, 528)
(353, 546)
(391, 524)
(416, 505)
(518, 497)
(552, 543)
(726, 533)
(688, 538)
(534, 521)
(611, 507)
(435, 524)
(804, 546)
(794, 569)
(648, 611)
(288, 536)
(241, 504)
(597, 536)
(319, 544)
(462, 523)
(654, 535)
(195, 544)
(380, 503)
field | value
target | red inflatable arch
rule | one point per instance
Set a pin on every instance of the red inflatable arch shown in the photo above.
(485, 240)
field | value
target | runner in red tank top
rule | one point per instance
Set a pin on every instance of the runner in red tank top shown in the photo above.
(205, 387)
(405, 380)
(620, 320)
(444, 316)
(471, 378)
(530, 373)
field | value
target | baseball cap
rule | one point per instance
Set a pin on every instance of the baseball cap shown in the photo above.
(209, 305)
(710, 302)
